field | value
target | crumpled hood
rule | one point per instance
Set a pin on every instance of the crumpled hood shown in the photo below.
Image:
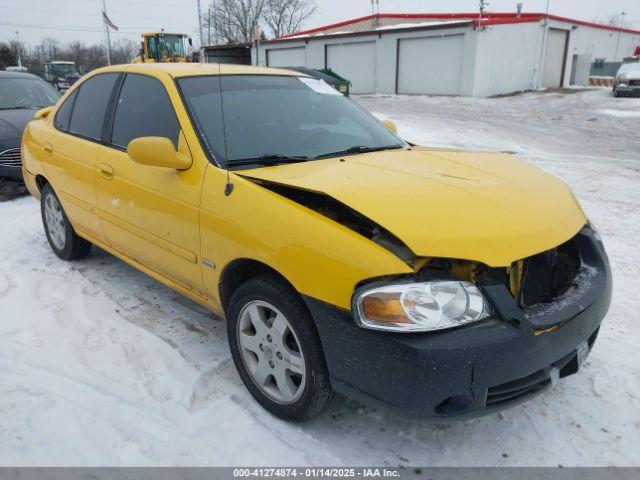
(488, 207)
(13, 123)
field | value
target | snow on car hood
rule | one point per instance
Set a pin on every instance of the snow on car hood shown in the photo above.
(487, 207)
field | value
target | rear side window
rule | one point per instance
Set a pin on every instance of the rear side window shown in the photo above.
(144, 110)
(91, 105)
(64, 113)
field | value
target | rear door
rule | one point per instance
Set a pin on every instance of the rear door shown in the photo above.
(151, 214)
(72, 149)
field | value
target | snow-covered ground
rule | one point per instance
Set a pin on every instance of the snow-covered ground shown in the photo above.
(100, 365)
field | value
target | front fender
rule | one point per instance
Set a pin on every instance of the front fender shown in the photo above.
(318, 256)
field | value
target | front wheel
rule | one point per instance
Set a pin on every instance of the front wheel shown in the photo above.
(277, 350)
(64, 242)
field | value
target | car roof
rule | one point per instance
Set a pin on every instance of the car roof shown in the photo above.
(6, 74)
(194, 69)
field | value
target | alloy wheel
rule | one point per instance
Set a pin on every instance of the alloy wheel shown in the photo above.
(271, 352)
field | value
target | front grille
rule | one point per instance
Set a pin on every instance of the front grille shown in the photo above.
(10, 158)
(634, 83)
(548, 275)
(523, 386)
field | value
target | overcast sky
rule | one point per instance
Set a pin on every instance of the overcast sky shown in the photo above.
(80, 19)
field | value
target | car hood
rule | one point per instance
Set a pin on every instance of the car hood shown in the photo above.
(488, 207)
(13, 123)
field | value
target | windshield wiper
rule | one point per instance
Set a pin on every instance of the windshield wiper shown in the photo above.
(358, 149)
(24, 107)
(269, 159)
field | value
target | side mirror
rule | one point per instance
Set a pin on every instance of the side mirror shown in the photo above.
(190, 42)
(390, 125)
(157, 152)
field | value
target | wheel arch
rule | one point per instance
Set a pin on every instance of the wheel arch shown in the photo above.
(238, 271)
(41, 181)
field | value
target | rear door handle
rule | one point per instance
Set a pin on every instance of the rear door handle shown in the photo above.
(106, 171)
(48, 148)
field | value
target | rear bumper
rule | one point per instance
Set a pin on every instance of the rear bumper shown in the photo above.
(472, 370)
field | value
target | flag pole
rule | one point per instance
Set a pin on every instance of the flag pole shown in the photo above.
(106, 29)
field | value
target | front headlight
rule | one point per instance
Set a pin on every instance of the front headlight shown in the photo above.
(420, 307)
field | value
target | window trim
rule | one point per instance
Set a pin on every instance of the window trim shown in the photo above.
(99, 141)
(111, 117)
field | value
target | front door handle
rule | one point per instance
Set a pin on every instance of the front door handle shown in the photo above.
(48, 148)
(106, 171)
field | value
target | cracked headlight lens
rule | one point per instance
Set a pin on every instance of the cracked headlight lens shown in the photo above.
(420, 307)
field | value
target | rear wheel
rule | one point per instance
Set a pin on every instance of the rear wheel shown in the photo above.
(64, 242)
(277, 350)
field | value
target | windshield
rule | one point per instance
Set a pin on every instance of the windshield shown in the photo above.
(166, 46)
(61, 69)
(244, 117)
(21, 92)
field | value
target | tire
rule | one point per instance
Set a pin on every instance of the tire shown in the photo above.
(292, 355)
(615, 93)
(63, 240)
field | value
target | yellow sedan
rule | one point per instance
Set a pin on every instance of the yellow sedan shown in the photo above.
(443, 283)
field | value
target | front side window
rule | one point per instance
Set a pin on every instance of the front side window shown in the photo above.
(143, 110)
(26, 93)
(244, 117)
(91, 105)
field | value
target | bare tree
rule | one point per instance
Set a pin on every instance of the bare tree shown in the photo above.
(232, 21)
(286, 16)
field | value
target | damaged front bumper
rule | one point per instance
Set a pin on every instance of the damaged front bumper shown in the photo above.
(476, 369)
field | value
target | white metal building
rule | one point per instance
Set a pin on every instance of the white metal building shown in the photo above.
(453, 54)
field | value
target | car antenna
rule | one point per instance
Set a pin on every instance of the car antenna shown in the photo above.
(228, 188)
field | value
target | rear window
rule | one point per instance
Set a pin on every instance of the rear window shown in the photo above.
(63, 116)
(91, 105)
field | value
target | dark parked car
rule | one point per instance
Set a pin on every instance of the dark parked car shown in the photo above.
(21, 95)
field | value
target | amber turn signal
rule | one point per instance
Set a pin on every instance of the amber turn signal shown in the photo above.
(384, 307)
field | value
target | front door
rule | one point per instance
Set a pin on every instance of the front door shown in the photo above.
(150, 214)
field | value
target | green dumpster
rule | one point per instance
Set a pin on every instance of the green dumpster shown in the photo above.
(341, 84)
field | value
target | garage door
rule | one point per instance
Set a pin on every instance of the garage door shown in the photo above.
(430, 65)
(286, 57)
(356, 62)
(554, 59)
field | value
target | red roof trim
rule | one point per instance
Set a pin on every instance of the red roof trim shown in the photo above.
(491, 19)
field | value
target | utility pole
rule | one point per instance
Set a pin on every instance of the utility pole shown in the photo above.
(615, 57)
(543, 48)
(18, 48)
(209, 27)
(483, 4)
(200, 25)
(106, 29)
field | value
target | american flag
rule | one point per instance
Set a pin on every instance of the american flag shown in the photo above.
(107, 21)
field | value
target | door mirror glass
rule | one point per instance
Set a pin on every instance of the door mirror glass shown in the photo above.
(390, 125)
(157, 152)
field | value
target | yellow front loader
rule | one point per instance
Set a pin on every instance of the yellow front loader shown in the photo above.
(162, 47)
